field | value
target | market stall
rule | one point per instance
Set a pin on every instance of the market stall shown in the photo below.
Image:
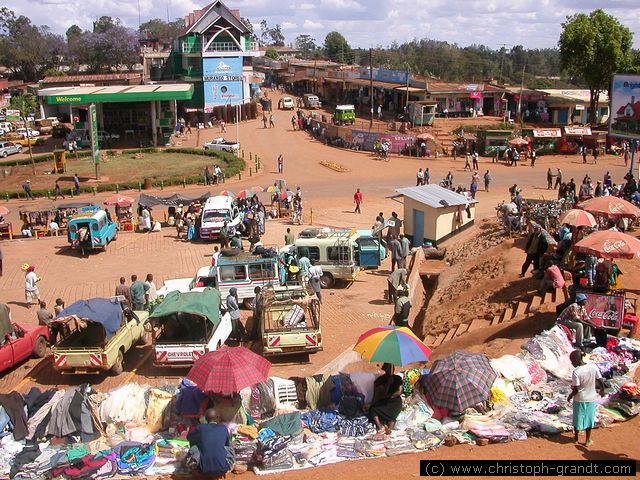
(124, 211)
(6, 228)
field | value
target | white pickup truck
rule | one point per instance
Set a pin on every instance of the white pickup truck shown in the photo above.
(185, 326)
(222, 145)
(205, 277)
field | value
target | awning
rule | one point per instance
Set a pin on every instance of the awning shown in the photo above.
(411, 89)
(577, 131)
(116, 94)
(205, 304)
(547, 133)
(171, 200)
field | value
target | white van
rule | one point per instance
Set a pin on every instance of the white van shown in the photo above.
(215, 212)
(5, 127)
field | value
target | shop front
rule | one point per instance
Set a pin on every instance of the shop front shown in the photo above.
(573, 139)
(492, 140)
(145, 112)
(545, 140)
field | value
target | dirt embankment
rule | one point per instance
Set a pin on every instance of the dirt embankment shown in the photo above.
(476, 282)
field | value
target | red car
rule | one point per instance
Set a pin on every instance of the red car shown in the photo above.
(18, 342)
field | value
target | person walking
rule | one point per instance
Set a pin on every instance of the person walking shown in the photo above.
(549, 179)
(395, 280)
(271, 124)
(76, 184)
(487, 180)
(357, 199)
(467, 163)
(586, 384)
(26, 186)
(294, 123)
(31, 292)
(558, 179)
(474, 157)
(583, 150)
(57, 191)
(224, 236)
(535, 247)
(396, 253)
(427, 176)
(402, 309)
(533, 157)
(280, 164)
(406, 247)
(152, 293)
(264, 119)
(379, 112)
(419, 177)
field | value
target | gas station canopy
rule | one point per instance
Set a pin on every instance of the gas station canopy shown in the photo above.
(116, 94)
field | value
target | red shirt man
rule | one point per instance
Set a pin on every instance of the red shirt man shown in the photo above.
(357, 199)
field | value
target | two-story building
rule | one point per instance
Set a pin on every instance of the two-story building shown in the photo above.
(214, 53)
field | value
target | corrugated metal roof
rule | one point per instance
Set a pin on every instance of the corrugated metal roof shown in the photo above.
(435, 196)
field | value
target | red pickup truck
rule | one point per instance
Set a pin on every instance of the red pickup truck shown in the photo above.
(19, 342)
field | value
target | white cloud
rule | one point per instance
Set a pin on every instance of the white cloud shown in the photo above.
(311, 25)
(364, 23)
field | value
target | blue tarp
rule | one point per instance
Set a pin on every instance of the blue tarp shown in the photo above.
(100, 310)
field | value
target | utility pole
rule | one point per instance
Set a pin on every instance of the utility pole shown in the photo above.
(371, 85)
(406, 102)
(315, 64)
(503, 45)
(520, 98)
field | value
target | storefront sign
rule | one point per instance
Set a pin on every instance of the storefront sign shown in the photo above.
(384, 75)
(366, 139)
(624, 120)
(605, 311)
(222, 81)
(398, 141)
(475, 95)
(547, 133)
(93, 133)
(578, 131)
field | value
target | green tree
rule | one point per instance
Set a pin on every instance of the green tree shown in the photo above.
(306, 43)
(163, 31)
(271, 53)
(104, 24)
(27, 104)
(73, 32)
(337, 48)
(594, 47)
(26, 49)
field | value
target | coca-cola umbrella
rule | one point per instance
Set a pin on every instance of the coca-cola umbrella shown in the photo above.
(518, 141)
(610, 207)
(578, 218)
(609, 244)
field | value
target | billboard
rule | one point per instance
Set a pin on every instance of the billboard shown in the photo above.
(398, 141)
(624, 119)
(222, 81)
(605, 311)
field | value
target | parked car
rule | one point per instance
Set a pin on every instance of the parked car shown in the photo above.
(9, 148)
(97, 343)
(106, 137)
(216, 211)
(91, 229)
(6, 127)
(344, 114)
(23, 132)
(187, 325)
(311, 101)
(19, 342)
(221, 144)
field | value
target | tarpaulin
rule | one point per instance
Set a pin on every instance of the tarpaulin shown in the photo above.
(100, 310)
(170, 201)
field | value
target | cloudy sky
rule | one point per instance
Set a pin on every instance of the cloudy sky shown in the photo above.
(365, 23)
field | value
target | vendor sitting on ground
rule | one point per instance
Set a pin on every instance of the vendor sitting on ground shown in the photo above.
(208, 442)
(575, 318)
(387, 403)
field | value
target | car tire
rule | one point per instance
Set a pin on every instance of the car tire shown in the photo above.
(40, 348)
(4, 154)
(327, 280)
(248, 303)
(19, 148)
(118, 366)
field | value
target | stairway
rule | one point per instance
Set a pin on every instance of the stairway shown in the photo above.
(508, 315)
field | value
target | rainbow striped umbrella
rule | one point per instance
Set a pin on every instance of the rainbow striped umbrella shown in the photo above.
(395, 345)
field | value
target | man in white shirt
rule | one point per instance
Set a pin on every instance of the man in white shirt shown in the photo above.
(315, 272)
(31, 291)
(152, 293)
(53, 228)
(584, 381)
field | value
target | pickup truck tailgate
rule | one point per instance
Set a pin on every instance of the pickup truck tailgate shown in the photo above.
(290, 341)
(177, 355)
(78, 361)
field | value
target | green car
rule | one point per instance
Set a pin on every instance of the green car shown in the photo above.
(344, 114)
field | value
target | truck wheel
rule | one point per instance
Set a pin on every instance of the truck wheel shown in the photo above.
(118, 367)
(40, 348)
(326, 280)
(248, 303)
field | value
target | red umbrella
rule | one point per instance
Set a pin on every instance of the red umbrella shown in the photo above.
(609, 244)
(227, 193)
(119, 200)
(245, 194)
(610, 207)
(578, 218)
(228, 370)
